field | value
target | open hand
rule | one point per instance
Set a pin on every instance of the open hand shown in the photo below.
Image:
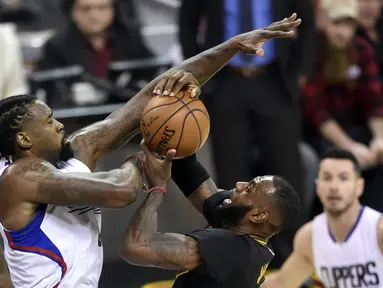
(252, 42)
(157, 171)
(176, 81)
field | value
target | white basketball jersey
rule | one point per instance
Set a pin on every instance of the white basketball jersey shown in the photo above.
(60, 247)
(356, 262)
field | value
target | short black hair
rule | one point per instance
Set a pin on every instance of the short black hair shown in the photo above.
(12, 112)
(286, 201)
(341, 154)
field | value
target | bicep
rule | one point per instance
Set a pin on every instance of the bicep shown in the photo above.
(163, 250)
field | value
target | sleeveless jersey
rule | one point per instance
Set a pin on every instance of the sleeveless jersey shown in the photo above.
(60, 247)
(356, 262)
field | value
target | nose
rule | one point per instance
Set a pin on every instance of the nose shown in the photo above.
(59, 127)
(240, 186)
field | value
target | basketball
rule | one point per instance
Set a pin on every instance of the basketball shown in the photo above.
(179, 122)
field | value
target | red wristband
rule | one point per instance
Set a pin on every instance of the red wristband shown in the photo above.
(158, 188)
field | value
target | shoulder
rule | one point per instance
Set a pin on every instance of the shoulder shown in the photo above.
(220, 240)
(303, 240)
(25, 167)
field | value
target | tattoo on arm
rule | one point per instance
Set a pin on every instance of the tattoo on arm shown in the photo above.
(204, 191)
(144, 245)
(40, 182)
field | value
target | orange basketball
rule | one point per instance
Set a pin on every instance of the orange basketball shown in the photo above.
(179, 122)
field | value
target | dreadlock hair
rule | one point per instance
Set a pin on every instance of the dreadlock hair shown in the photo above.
(286, 201)
(12, 113)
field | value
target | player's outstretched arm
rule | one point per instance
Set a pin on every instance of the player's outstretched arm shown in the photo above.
(298, 267)
(40, 182)
(103, 137)
(143, 245)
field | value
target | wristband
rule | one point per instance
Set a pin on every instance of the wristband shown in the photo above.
(158, 188)
(188, 174)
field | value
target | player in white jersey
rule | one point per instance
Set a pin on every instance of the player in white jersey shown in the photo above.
(49, 226)
(344, 245)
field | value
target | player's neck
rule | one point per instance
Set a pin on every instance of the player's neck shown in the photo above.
(249, 231)
(340, 226)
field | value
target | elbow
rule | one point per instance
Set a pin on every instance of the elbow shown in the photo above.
(123, 198)
(130, 253)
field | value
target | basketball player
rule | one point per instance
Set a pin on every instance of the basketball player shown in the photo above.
(49, 224)
(234, 253)
(344, 245)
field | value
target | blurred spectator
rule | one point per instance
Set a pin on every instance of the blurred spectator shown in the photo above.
(371, 26)
(94, 37)
(343, 101)
(12, 80)
(250, 109)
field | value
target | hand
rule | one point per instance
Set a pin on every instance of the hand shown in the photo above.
(376, 146)
(157, 171)
(252, 42)
(365, 156)
(176, 81)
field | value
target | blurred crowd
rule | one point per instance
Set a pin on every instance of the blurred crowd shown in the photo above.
(269, 115)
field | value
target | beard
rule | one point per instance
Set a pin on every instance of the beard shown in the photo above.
(230, 215)
(66, 152)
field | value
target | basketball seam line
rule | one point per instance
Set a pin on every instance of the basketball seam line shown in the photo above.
(159, 128)
(195, 119)
(162, 105)
(182, 131)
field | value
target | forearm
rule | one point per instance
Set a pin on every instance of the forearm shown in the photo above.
(206, 64)
(145, 221)
(376, 126)
(143, 245)
(193, 180)
(332, 131)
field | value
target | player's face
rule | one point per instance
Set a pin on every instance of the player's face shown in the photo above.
(340, 33)
(43, 135)
(93, 16)
(338, 185)
(249, 200)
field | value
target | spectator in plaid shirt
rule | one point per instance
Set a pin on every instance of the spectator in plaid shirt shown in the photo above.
(343, 101)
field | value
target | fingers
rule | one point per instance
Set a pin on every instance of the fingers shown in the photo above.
(292, 18)
(186, 80)
(145, 149)
(276, 34)
(170, 155)
(173, 81)
(194, 91)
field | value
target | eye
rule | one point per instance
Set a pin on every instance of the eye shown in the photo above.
(50, 121)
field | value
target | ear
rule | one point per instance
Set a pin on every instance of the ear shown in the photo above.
(258, 217)
(23, 140)
(360, 187)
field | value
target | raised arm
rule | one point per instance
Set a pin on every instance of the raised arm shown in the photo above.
(298, 267)
(103, 137)
(40, 182)
(143, 244)
(193, 180)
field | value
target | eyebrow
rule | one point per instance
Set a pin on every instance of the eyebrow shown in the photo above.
(49, 116)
